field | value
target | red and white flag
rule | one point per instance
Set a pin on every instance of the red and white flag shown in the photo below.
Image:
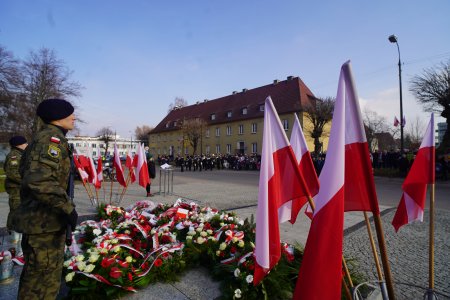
(321, 269)
(414, 187)
(118, 166)
(396, 122)
(140, 162)
(279, 181)
(83, 174)
(99, 172)
(93, 177)
(129, 165)
(290, 209)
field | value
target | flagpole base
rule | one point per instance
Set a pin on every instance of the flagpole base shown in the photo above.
(430, 295)
(383, 289)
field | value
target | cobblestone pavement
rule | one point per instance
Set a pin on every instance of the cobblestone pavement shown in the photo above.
(408, 254)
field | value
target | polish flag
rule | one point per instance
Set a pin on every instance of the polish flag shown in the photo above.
(129, 165)
(92, 169)
(86, 165)
(290, 209)
(99, 172)
(118, 166)
(280, 181)
(140, 162)
(414, 187)
(83, 174)
(321, 269)
(396, 122)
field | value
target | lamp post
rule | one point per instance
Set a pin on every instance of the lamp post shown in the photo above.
(393, 39)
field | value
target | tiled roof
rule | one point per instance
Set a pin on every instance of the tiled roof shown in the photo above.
(288, 96)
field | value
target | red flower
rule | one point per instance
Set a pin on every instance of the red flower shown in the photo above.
(233, 249)
(158, 262)
(130, 277)
(165, 255)
(115, 272)
(106, 262)
(123, 264)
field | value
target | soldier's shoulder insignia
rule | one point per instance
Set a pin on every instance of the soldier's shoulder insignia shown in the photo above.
(54, 151)
(55, 140)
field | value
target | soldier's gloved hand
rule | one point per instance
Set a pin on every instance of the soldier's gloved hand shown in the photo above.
(73, 217)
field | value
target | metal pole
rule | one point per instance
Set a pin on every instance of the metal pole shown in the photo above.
(430, 292)
(402, 149)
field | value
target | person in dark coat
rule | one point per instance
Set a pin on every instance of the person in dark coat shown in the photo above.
(151, 172)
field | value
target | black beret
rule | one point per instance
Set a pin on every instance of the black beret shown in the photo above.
(17, 140)
(54, 109)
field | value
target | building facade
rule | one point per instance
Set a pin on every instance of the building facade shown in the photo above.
(84, 144)
(234, 123)
(440, 132)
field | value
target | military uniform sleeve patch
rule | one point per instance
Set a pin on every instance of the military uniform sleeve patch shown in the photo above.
(55, 140)
(54, 151)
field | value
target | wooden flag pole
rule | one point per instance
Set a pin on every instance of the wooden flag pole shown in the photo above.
(91, 194)
(110, 190)
(430, 292)
(375, 257)
(344, 264)
(125, 187)
(384, 258)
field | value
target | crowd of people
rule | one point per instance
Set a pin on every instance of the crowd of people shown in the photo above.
(213, 161)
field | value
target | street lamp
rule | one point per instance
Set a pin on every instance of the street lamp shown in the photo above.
(393, 39)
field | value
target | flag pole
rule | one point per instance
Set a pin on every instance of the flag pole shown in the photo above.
(375, 256)
(110, 190)
(430, 292)
(384, 258)
(125, 187)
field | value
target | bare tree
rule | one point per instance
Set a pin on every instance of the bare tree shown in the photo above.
(319, 112)
(374, 124)
(432, 90)
(179, 102)
(142, 132)
(44, 76)
(192, 131)
(414, 133)
(106, 135)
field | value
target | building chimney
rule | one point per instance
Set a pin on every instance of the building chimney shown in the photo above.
(244, 90)
(275, 81)
(234, 92)
(290, 77)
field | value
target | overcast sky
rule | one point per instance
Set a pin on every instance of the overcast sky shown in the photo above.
(134, 57)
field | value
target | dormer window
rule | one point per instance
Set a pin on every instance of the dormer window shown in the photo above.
(244, 110)
(174, 123)
(229, 114)
(167, 124)
(213, 117)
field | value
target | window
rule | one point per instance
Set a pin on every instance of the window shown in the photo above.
(167, 125)
(213, 117)
(241, 129)
(218, 148)
(228, 130)
(286, 124)
(174, 123)
(94, 145)
(244, 110)
(254, 148)
(218, 131)
(229, 114)
(228, 148)
(207, 149)
(207, 132)
(254, 127)
(261, 107)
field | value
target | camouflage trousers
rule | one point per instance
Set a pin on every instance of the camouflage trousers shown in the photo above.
(41, 274)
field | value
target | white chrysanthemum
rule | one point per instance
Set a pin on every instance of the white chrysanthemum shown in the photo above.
(114, 241)
(211, 238)
(223, 246)
(241, 244)
(69, 276)
(97, 232)
(79, 257)
(89, 268)
(230, 219)
(191, 232)
(128, 259)
(200, 240)
(103, 250)
(235, 239)
(199, 229)
(127, 231)
(209, 231)
(241, 222)
(94, 257)
(249, 278)
(189, 237)
(204, 234)
(237, 293)
(218, 252)
(81, 265)
(237, 272)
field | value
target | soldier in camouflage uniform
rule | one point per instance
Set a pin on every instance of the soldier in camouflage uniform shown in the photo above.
(45, 209)
(12, 185)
